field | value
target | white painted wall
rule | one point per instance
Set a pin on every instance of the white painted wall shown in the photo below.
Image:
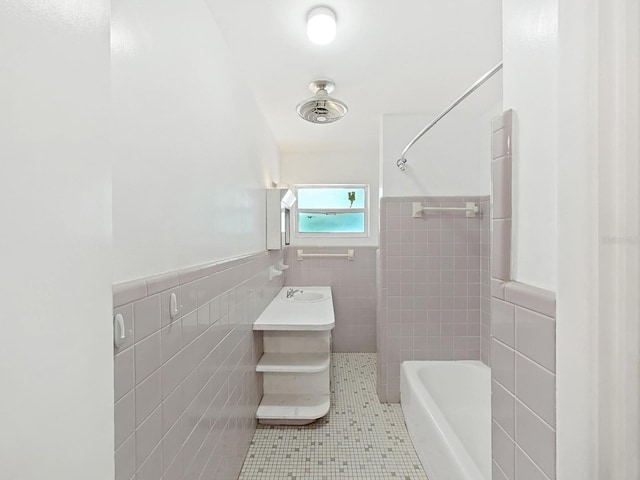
(453, 158)
(192, 151)
(578, 60)
(530, 88)
(56, 364)
(331, 168)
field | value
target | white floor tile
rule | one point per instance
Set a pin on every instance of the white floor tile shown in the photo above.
(360, 438)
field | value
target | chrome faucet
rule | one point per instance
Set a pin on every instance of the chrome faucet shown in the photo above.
(291, 292)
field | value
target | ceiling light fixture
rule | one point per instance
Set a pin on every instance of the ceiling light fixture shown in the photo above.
(321, 108)
(321, 25)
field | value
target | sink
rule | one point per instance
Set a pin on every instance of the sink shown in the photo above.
(309, 309)
(307, 297)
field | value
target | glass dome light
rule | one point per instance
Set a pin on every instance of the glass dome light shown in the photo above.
(321, 25)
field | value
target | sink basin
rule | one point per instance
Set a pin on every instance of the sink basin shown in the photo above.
(307, 297)
(309, 309)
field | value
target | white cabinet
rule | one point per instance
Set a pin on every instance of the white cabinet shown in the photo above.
(279, 205)
(296, 364)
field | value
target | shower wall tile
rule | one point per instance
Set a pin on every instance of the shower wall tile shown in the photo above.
(125, 460)
(353, 286)
(536, 337)
(536, 388)
(501, 187)
(147, 356)
(125, 418)
(537, 439)
(146, 317)
(189, 275)
(433, 286)
(532, 298)
(503, 322)
(497, 288)
(382, 340)
(174, 470)
(523, 336)
(503, 364)
(501, 244)
(151, 469)
(485, 281)
(505, 120)
(160, 283)
(501, 142)
(148, 435)
(497, 473)
(124, 373)
(127, 292)
(148, 397)
(526, 469)
(504, 450)
(501, 196)
(187, 385)
(503, 403)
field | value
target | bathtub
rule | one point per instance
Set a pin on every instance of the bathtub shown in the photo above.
(447, 408)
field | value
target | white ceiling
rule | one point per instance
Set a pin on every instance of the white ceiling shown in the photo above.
(389, 56)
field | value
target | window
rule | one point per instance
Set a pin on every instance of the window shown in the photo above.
(332, 210)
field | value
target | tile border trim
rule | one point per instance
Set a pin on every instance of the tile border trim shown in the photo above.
(526, 296)
(533, 298)
(130, 291)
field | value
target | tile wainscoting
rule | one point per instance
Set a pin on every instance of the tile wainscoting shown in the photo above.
(523, 382)
(353, 286)
(433, 286)
(523, 343)
(186, 390)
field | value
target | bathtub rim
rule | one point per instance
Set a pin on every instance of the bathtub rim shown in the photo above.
(446, 434)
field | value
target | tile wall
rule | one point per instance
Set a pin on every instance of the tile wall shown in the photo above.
(431, 285)
(523, 344)
(485, 283)
(186, 389)
(353, 286)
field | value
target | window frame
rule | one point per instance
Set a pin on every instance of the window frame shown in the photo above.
(366, 210)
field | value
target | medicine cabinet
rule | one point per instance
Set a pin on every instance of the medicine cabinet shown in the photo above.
(280, 201)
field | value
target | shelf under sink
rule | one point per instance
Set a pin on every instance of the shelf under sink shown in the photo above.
(292, 409)
(294, 362)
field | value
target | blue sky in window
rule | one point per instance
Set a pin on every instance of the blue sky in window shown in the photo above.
(329, 198)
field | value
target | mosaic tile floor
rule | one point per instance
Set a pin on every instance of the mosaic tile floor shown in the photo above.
(360, 438)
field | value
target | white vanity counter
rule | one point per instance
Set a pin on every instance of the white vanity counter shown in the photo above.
(309, 308)
(296, 365)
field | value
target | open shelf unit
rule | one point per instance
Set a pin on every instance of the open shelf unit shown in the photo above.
(294, 362)
(296, 365)
(293, 409)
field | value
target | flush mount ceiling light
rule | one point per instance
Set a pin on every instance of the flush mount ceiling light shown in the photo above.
(321, 25)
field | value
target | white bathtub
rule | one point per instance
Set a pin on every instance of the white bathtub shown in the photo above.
(447, 408)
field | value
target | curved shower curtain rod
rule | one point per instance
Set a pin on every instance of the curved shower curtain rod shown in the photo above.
(402, 162)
